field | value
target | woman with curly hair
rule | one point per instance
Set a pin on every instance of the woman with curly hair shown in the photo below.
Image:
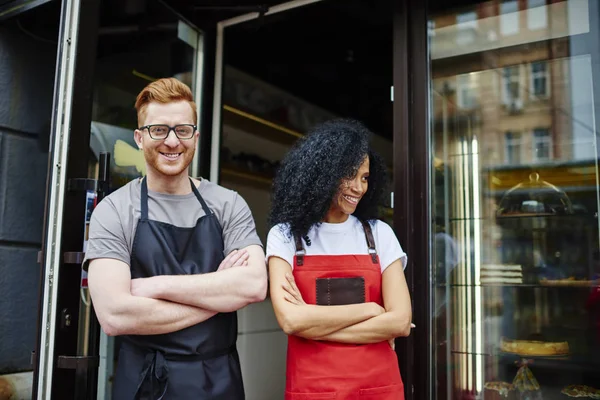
(336, 271)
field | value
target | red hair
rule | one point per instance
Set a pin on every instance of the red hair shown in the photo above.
(165, 90)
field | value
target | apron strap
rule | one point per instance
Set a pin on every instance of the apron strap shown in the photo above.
(154, 378)
(207, 210)
(144, 199)
(300, 252)
(370, 241)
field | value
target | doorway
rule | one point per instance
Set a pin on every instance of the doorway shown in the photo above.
(278, 75)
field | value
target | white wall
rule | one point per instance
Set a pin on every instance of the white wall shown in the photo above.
(261, 343)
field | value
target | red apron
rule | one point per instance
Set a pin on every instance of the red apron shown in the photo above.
(327, 370)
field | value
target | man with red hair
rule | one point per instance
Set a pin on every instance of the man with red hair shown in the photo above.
(170, 259)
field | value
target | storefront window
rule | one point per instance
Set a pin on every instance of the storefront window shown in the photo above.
(516, 257)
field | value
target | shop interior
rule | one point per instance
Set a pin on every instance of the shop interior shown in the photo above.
(293, 70)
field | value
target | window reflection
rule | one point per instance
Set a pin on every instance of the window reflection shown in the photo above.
(515, 189)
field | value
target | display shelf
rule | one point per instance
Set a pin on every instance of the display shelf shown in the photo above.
(521, 216)
(239, 175)
(259, 127)
(571, 362)
(522, 285)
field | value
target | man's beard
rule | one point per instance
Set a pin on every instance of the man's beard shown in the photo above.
(153, 159)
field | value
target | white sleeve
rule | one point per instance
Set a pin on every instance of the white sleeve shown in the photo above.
(388, 247)
(279, 244)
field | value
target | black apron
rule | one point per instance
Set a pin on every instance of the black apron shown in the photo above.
(200, 362)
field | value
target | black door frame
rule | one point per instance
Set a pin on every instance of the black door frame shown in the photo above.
(412, 190)
(65, 324)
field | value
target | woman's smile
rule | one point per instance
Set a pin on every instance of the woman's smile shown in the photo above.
(351, 199)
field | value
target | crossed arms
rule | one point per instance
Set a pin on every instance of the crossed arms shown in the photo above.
(355, 323)
(168, 303)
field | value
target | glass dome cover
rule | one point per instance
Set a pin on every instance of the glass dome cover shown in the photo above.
(534, 197)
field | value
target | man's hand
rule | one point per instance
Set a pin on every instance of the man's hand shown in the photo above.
(146, 287)
(237, 258)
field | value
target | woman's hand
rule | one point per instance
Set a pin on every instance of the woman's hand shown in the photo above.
(292, 293)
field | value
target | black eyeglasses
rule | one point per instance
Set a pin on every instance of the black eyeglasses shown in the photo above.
(161, 132)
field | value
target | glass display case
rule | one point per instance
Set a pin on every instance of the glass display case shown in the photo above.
(515, 199)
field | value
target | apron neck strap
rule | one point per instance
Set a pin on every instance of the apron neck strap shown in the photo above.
(300, 252)
(370, 241)
(207, 210)
(144, 199)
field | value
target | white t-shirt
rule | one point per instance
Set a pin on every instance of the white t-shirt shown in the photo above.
(338, 239)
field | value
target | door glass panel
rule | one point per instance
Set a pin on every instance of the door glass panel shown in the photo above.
(129, 56)
(515, 242)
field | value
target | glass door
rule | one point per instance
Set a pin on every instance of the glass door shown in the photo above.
(123, 50)
(160, 44)
(514, 180)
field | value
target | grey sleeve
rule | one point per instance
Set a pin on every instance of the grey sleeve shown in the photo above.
(239, 230)
(107, 235)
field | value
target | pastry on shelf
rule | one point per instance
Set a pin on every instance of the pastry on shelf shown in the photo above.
(534, 348)
(505, 274)
(498, 390)
(581, 391)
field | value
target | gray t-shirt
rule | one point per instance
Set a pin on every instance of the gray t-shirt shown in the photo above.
(115, 218)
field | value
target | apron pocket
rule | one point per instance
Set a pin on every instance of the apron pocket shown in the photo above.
(310, 396)
(391, 392)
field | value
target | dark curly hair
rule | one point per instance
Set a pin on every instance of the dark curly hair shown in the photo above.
(311, 173)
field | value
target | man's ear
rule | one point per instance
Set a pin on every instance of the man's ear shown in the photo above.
(137, 136)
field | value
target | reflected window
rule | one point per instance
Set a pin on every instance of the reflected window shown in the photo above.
(539, 79)
(509, 17)
(537, 18)
(542, 145)
(511, 93)
(513, 148)
(466, 96)
(466, 24)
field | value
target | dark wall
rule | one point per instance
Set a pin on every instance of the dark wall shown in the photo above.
(27, 64)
